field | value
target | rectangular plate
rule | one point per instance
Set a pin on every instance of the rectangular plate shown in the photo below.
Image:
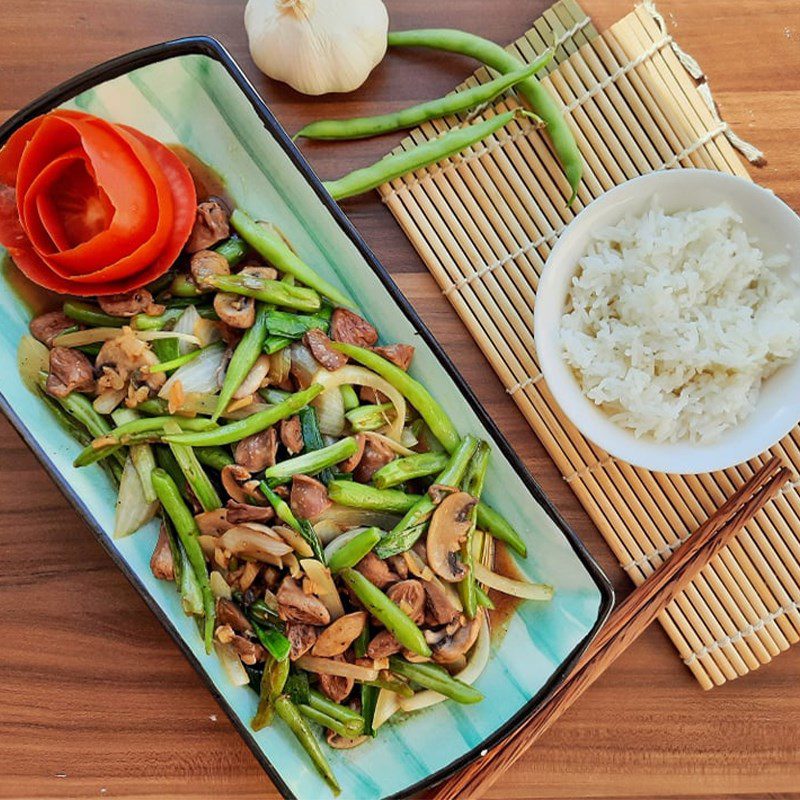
(191, 92)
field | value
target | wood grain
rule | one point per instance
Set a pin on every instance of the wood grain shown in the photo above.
(96, 701)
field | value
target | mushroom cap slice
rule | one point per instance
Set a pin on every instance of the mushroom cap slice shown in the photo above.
(448, 528)
(339, 635)
(449, 648)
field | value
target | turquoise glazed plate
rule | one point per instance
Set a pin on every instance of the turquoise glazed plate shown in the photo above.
(190, 92)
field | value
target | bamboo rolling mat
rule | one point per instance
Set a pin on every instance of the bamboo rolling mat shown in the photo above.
(484, 223)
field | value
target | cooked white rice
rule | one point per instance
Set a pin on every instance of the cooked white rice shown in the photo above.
(674, 320)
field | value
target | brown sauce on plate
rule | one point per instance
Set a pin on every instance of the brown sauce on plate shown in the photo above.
(504, 605)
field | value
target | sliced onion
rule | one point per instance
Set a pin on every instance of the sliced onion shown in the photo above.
(360, 376)
(219, 586)
(231, 664)
(293, 538)
(337, 541)
(207, 331)
(476, 664)
(304, 365)
(407, 438)
(398, 448)
(202, 375)
(279, 365)
(386, 705)
(290, 562)
(106, 402)
(335, 519)
(342, 669)
(33, 358)
(92, 335)
(324, 586)
(205, 404)
(330, 411)
(245, 541)
(253, 379)
(326, 530)
(523, 589)
(186, 325)
(132, 509)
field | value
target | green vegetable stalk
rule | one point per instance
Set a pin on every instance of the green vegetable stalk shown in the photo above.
(432, 676)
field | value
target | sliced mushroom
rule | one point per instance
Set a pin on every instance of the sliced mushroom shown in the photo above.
(123, 359)
(376, 571)
(47, 326)
(239, 484)
(438, 491)
(438, 608)
(409, 595)
(246, 540)
(259, 272)
(383, 645)
(235, 310)
(302, 637)
(213, 523)
(376, 455)
(447, 647)
(162, 564)
(335, 686)
(448, 528)
(296, 606)
(339, 635)
(320, 346)
(243, 512)
(338, 742)
(254, 379)
(399, 354)
(210, 225)
(292, 434)
(257, 452)
(70, 371)
(228, 613)
(139, 301)
(205, 264)
(399, 564)
(349, 327)
(309, 497)
(349, 464)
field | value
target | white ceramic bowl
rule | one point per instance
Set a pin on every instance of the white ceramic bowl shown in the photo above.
(777, 229)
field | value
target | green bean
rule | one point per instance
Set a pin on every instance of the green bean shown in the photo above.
(189, 588)
(499, 59)
(350, 553)
(352, 720)
(89, 314)
(167, 462)
(472, 484)
(313, 462)
(282, 509)
(321, 718)
(271, 247)
(261, 420)
(273, 681)
(405, 469)
(349, 397)
(403, 536)
(201, 484)
(483, 598)
(275, 642)
(215, 457)
(147, 322)
(312, 438)
(233, 250)
(369, 417)
(293, 326)
(432, 676)
(494, 523)
(455, 103)
(272, 344)
(273, 395)
(422, 155)
(359, 495)
(244, 357)
(387, 612)
(419, 397)
(267, 291)
(392, 685)
(187, 531)
(288, 712)
(172, 364)
(184, 286)
(369, 701)
(141, 455)
(154, 407)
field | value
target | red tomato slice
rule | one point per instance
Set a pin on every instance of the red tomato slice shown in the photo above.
(11, 152)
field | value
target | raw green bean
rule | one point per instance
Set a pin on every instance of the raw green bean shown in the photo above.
(187, 531)
(455, 103)
(349, 397)
(369, 417)
(352, 720)
(494, 523)
(432, 676)
(89, 314)
(293, 326)
(313, 462)
(267, 291)
(288, 712)
(413, 524)
(405, 469)
(196, 476)
(215, 457)
(359, 495)
(261, 420)
(271, 247)
(416, 394)
(233, 250)
(387, 612)
(483, 598)
(321, 718)
(472, 484)
(244, 357)
(273, 681)
(423, 155)
(499, 59)
(312, 439)
(350, 553)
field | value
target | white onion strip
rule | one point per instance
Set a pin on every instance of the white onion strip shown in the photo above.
(523, 589)
(342, 669)
(92, 335)
(386, 705)
(326, 590)
(232, 665)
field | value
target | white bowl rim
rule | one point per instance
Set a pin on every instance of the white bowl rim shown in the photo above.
(591, 421)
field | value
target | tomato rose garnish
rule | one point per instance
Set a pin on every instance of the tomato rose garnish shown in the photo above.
(88, 207)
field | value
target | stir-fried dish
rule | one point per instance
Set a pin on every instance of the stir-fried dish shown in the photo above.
(321, 516)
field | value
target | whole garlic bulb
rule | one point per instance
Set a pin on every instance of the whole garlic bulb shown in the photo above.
(317, 46)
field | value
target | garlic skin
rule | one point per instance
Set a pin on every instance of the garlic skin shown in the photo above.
(317, 46)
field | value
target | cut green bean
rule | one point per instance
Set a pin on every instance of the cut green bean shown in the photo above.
(432, 676)
(189, 588)
(167, 462)
(184, 286)
(187, 531)
(349, 397)
(313, 462)
(196, 476)
(352, 720)
(387, 612)
(154, 407)
(429, 409)
(403, 536)
(321, 718)
(233, 250)
(244, 357)
(272, 344)
(422, 155)
(472, 484)
(499, 59)
(494, 523)
(261, 420)
(455, 103)
(350, 553)
(215, 457)
(369, 417)
(273, 681)
(267, 291)
(288, 712)
(369, 701)
(405, 469)
(88, 314)
(392, 685)
(360, 495)
(271, 247)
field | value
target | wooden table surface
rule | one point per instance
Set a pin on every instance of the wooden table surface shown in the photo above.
(95, 700)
